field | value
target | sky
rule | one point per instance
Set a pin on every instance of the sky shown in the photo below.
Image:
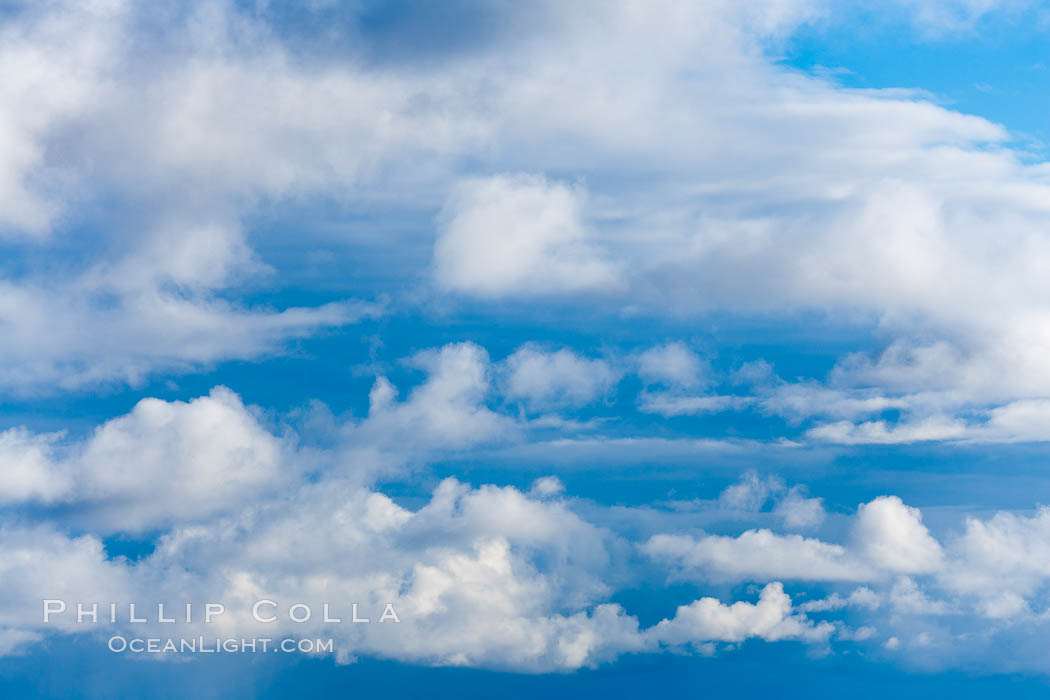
(617, 347)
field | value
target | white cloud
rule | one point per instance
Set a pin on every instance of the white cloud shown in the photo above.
(27, 473)
(666, 115)
(800, 512)
(673, 365)
(1026, 420)
(803, 400)
(485, 578)
(210, 454)
(751, 491)
(892, 536)
(488, 577)
(862, 597)
(757, 555)
(771, 618)
(446, 411)
(154, 310)
(552, 379)
(887, 538)
(518, 235)
(546, 487)
(907, 597)
(715, 180)
(679, 373)
(1006, 554)
(883, 433)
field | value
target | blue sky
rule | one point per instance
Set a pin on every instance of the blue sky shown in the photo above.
(618, 346)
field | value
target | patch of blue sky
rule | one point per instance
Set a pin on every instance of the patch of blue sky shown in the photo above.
(996, 67)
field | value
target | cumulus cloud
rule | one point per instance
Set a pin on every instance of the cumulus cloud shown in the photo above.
(638, 188)
(1004, 555)
(892, 536)
(800, 511)
(673, 374)
(553, 379)
(489, 577)
(948, 603)
(752, 492)
(770, 618)
(210, 454)
(478, 577)
(447, 411)
(887, 538)
(546, 487)
(658, 164)
(144, 295)
(674, 365)
(518, 235)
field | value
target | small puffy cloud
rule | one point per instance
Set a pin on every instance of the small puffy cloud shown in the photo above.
(771, 619)
(673, 365)
(751, 491)
(891, 535)
(553, 379)
(521, 235)
(907, 596)
(800, 512)
(546, 487)
(446, 411)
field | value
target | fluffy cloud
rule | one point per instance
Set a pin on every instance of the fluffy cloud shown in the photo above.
(674, 365)
(1005, 555)
(770, 618)
(887, 538)
(518, 235)
(28, 474)
(799, 511)
(489, 577)
(752, 492)
(658, 163)
(446, 411)
(892, 536)
(560, 378)
(485, 577)
(210, 454)
(677, 374)
(757, 555)
(662, 119)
